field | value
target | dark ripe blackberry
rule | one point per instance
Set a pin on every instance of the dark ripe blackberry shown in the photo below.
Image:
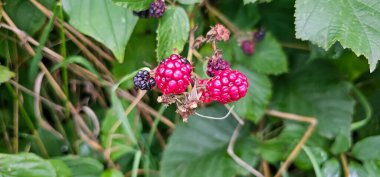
(156, 10)
(259, 35)
(217, 65)
(143, 81)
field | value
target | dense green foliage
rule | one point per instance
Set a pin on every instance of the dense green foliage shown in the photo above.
(68, 106)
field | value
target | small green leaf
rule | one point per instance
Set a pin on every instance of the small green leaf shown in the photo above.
(136, 5)
(62, 170)
(367, 149)
(189, 1)
(5, 74)
(269, 58)
(249, 1)
(25, 15)
(353, 23)
(372, 167)
(254, 104)
(357, 170)
(112, 173)
(101, 19)
(76, 60)
(25, 165)
(83, 166)
(331, 168)
(172, 32)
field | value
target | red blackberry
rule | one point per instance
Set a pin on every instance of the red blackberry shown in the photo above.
(173, 75)
(143, 81)
(259, 34)
(215, 65)
(248, 47)
(156, 10)
(205, 97)
(227, 86)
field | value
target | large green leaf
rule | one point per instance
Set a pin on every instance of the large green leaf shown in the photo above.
(5, 74)
(199, 148)
(367, 149)
(353, 23)
(83, 166)
(112, 173)
(254, 104)
(316, 90)
(357, 170)
(372, 167)
(61, 168)
(25, 165)
(108, 23)
(136, 5)
(172, 32)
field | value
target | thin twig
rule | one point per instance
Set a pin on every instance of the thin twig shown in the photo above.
(265, 168)
(312, 124)
(346, 170)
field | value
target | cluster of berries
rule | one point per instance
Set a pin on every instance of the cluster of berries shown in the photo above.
(248, 45)
(156, 10)
(174, 78)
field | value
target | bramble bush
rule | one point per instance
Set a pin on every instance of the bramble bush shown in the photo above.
(189, 88)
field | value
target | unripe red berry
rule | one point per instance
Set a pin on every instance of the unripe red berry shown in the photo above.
(248, 47)
(227, 86)
(173, 75)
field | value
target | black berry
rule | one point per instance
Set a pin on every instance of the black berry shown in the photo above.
(259, 34)
(216, 65)
(156, 10)
(143, 81)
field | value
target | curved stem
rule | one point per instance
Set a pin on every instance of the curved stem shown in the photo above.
(313, 160)
(211, 117)
(367, 109)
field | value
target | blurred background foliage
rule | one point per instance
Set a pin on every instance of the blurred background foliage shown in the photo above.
(62, 113)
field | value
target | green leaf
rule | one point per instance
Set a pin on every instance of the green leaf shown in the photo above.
(25, 165)
(121, 145)
(199, 147)
(189, 1)
(101, 19)
(249, 1)
(269, 58)
(367, 149)
(136, 5)
(372, 167)
(353, 23)
(76, 60)
(5, 74)
(254, 104)
(357, 170)
(331, 168)
(317, 91)
(62, 170)
(83, 166)
(25, 15)
(112, 173)
(172, 32)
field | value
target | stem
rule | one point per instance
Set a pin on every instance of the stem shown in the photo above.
(313, 160)
(136, 163)
(154, 126)
(367, 109)
(63, 49)
(222, 18)
(346, 170)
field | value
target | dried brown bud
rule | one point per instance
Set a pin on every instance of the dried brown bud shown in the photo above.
(218, 33)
